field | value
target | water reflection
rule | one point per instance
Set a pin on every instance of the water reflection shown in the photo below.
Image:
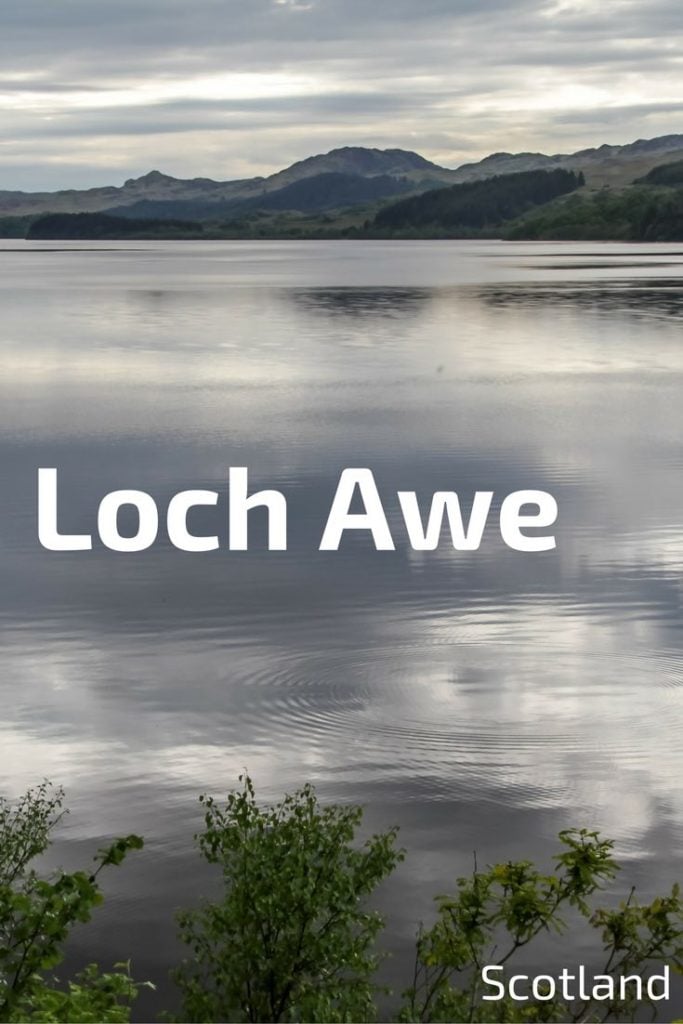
(367, 304)
(483, 699)
(649, 297)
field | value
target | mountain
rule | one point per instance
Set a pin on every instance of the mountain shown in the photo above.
(367, 163)
(605, 165)
(363, 175)
(315, 194)
(151, 186)
(391, 165)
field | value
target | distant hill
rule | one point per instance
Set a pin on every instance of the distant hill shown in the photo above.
(527, 205)
(604, 165)
(368, 163)
(332, 190)
(474, 205)
(395, 164)
(389, 171)
(319, 192)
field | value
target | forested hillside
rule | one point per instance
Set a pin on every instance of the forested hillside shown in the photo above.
(637, 214)
(664, 174)
(477, 204)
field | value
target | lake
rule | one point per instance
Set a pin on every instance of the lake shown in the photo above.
(480, 700)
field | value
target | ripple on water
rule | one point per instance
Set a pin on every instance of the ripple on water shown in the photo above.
(467, 705)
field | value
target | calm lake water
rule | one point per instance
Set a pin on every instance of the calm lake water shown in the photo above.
(479, 700)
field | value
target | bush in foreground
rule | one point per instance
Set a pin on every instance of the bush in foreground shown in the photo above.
(37, 914)
(496, 913)
(291, 937)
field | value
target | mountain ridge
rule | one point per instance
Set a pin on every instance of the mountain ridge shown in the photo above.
(602, 165)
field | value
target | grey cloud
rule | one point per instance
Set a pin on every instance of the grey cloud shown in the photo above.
(392, 72)
(630, 111)
(217, 115)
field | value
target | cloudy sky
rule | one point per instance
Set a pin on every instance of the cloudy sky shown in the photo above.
(95, 91)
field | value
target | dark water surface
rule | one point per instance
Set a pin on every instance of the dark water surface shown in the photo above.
(482, 699)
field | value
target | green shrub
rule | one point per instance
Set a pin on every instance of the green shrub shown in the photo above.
(89, 998)
(291, 937)
(497, 912)
(37, 913)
